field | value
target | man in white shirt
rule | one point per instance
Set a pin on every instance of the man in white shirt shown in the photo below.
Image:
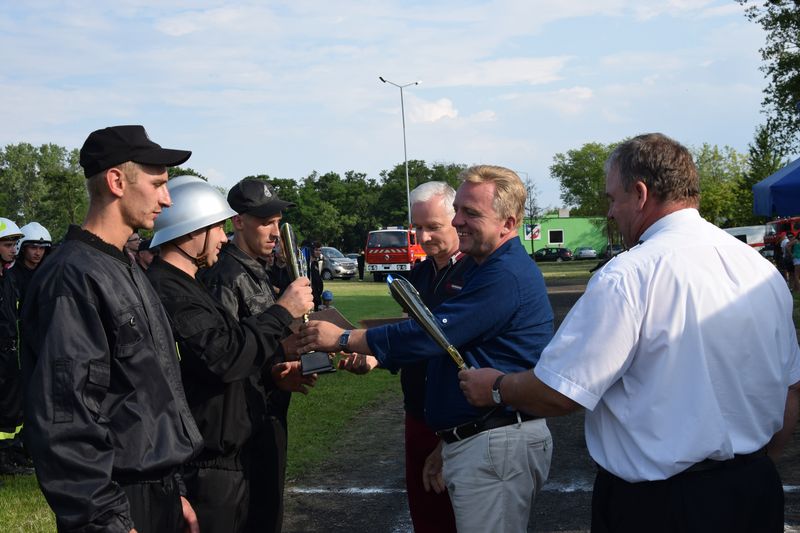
(684, 353)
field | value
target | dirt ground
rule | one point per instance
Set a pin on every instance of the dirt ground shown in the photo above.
(361, 487)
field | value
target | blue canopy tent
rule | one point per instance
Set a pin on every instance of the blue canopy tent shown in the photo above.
(779, 194)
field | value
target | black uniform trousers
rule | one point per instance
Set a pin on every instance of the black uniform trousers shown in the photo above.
(155, 505)
(742, 497)
(242, 492)
(10, 387)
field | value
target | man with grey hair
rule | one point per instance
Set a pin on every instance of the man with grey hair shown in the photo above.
(494, 460)
(437, 279)
(683, 351)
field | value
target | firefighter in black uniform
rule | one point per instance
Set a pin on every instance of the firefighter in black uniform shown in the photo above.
(32, 249)
(242, 284)
(10, 390)
(226, 361)
(106, 419)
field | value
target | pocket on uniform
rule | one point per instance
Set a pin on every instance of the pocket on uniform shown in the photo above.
(62, 391)
(130, 332)
(97, 383)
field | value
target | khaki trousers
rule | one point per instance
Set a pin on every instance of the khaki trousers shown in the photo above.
(494, 476)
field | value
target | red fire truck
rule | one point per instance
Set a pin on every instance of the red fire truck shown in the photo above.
(391, 250)
(775, 228)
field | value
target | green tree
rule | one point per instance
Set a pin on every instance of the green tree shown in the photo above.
(582, 178)
(392, 200)
(173, 172)
(66, 201)
(781, 54)
(764, 158)
(720, 172)
(43, 184)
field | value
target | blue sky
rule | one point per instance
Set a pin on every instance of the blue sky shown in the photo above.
(287, 88)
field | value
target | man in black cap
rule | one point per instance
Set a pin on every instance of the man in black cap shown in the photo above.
(106, 418)
(239, 280)
(146, 253)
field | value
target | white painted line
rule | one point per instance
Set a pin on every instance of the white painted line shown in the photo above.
(572, 486)
(348, 490)
(576, 486)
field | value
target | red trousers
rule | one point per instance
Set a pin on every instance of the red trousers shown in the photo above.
(430, 512)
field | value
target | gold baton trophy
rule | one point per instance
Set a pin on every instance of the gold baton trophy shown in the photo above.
(409, 299)
(311, 362)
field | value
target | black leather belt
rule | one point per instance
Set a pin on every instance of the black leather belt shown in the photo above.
(140, 478)
(491, 421)
(710, 464)
(738, 459)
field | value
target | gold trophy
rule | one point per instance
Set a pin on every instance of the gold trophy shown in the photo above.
(311, 362)
(409, 299)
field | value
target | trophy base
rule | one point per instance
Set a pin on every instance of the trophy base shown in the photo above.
(315, 363)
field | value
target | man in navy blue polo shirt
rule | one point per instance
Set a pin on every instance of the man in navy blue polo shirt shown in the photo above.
(494, 459)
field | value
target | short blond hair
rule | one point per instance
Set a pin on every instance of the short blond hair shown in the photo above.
(96, 184)
(509, 191)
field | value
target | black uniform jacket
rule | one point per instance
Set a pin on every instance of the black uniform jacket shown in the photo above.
(243, 286)
(104, 398)
(221, 358)
(8, 306)
(22, 277)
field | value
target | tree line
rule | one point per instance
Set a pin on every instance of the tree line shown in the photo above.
(46, 184)
(726, 178)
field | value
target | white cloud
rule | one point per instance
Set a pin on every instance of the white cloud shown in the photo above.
(284, 87)
(500, 72)
(423, 111)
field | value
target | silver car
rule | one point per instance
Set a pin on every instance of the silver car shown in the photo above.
(336, 265)
(585, 252)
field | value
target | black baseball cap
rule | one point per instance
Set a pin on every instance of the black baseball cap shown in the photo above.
(256, 197)
(111, 146)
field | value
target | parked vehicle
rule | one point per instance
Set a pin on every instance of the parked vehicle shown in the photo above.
(774, 230)
(611, 250)
(552, 254)
(353, 256)
(336, 265)
(752, 235)
(585, 252)
(391, 250)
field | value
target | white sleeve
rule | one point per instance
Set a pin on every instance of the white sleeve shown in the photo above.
(595, 344)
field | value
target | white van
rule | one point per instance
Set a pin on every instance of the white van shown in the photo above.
(752, 235)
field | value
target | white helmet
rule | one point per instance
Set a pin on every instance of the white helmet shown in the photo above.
(9, 230)
(34, 233)
(195, 205)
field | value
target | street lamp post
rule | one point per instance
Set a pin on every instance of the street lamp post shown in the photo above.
(405, 151)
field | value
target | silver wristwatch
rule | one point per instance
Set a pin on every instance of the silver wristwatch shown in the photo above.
(343, 339)
(496, 398)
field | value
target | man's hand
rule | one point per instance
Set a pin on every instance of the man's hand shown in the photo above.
(476, 384)
(297, 298)
(319, 335)
(357, 363)
(190, 524)
(290, 348)
(288, 377)
(432, 477)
